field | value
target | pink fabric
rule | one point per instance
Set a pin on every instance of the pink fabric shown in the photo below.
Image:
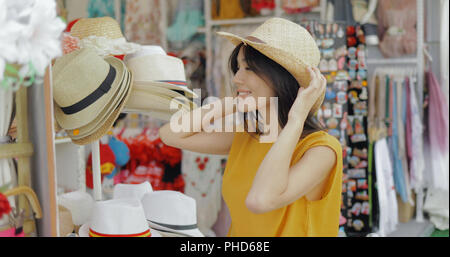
(437, 115)
(11, 233)
(408, 124)
(403, 15)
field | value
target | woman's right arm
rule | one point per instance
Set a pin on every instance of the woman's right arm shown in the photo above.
(196, 136)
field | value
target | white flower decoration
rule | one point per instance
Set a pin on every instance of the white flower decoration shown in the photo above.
(30, 32)
(41, 39)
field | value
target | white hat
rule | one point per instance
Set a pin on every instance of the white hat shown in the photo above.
(161, 70)
(146, 50)
(117, 218)
(171, 211)
(79, 204)
(132, 190)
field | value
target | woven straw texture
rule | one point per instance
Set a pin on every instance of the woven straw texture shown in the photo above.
(100, 27)
(109, 122)
(75, 76)
(103, 116)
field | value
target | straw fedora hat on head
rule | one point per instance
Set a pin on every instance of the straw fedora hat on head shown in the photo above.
(111, 110)
(83, 84)
(171, 211)
(286, 43)
(104, 35)
(118, 218)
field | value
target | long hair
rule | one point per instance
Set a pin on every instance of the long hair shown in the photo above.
(281, 82)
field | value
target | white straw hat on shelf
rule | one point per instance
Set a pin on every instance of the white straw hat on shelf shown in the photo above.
(172, 212)
(118, 218)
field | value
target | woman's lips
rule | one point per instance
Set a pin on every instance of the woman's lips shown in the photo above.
(243, 93)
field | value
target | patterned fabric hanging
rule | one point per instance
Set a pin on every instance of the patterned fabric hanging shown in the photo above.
(143, 22)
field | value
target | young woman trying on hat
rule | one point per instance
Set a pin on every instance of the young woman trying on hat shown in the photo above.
(292, 186)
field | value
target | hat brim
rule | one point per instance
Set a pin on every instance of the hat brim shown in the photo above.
(91, 112)
(104, 115)
(146, 101)
(178, 93)
(84, 231)
(188, 232)
(187, 92)
(109, 122)
(165, 116)
(296, 67)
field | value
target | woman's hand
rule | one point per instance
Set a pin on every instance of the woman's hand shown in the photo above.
(307, 97)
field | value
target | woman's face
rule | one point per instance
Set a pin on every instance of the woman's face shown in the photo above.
(250, 87)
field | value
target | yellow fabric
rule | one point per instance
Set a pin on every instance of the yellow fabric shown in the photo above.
(227, 9)
(301, 218)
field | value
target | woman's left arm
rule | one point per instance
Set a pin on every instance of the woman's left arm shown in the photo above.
(276, 184)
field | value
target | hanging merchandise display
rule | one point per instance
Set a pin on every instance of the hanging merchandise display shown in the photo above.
(299, 6)
(102, 8)
(152, 161)
(226, 9)
(264, 7)
(189, 17)
(438, 133)
(333, 113)
(142, 22)
(344, 113)
(29, 39)
(358, 199)
(397, 26)
(364, 14)
(203, 178)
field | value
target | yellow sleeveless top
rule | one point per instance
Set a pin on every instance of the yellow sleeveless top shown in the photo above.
(301, 218)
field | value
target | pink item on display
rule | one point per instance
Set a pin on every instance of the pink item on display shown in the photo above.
(397, 27)
(11, 233)
(69, 43)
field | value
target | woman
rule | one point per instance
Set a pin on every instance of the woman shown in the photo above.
(290, 187)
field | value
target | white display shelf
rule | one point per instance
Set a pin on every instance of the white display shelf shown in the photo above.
(62, 140)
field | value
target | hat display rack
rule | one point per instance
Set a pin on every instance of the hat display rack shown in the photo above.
(165, 81)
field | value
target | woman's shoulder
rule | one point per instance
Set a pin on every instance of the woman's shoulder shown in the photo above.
(319, 138)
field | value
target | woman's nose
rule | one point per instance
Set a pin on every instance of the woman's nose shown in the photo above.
(238, 78)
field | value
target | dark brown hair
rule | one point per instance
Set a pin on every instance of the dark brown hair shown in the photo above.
(281, 82)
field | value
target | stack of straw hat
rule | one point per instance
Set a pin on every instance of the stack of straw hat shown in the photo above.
(91, 90)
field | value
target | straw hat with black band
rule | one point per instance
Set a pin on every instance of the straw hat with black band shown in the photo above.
(286, 43)
(89, 90)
